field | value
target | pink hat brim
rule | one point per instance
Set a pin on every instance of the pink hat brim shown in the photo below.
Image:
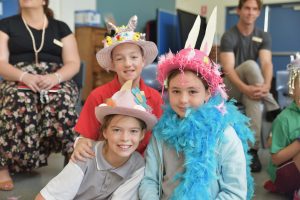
(102, 111)
(104, 55)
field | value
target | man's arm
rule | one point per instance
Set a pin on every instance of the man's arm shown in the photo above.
(228, 61)
(265, 57)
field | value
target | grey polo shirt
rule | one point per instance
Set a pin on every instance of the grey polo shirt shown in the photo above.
(245, 47)
(96, 179)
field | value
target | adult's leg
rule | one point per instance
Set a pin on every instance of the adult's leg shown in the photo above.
(249, 73)
(6, 182)
(59, 119)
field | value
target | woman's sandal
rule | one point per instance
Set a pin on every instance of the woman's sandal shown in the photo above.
(6, 185)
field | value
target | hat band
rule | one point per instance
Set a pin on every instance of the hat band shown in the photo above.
(124, 36)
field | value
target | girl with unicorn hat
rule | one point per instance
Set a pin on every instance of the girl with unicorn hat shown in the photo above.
(199, 147)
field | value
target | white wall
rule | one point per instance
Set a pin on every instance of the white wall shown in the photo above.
(64, 9)
(194, 6)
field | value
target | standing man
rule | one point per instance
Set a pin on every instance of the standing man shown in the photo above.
(247, 81)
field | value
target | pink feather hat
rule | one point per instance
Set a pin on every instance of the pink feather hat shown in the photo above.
(194, 59)
(129, 102)
(121, 35)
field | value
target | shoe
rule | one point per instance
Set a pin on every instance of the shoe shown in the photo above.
(270, 186)
(255, 164)
(6, 185)
(297, 195)
(271, 115)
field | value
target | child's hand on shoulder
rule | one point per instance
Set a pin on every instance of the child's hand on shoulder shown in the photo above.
(83, 150)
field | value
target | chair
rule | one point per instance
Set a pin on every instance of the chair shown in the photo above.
(282, 88)
(149, 76)
(79, 79)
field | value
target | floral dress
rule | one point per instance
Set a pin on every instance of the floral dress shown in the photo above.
(32, 128)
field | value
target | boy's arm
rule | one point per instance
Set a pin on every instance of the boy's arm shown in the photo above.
(227, 59)
(233, 177)
(149, 187)
(65, 185)
(282, 150)
(82, 149)
(129, 189)
(88, 127)
(286, 153)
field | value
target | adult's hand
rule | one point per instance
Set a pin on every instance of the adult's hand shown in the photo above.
(83, 150)
(265, 88)
(255, 92)
(48, 81)
(32, 81)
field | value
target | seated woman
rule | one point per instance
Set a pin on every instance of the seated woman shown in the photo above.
(38, 57)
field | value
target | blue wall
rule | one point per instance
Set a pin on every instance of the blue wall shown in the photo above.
(122, 10)
(9, 7)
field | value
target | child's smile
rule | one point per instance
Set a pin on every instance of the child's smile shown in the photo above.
(123, 136)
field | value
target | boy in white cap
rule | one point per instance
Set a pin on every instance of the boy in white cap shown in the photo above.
(117, 169)
(125, 52)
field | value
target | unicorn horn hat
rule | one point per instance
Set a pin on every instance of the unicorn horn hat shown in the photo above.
(129, 102)
(294, 71)
(121, 35)
(194, 59)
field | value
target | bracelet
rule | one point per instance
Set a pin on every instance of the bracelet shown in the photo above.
(22, 76)
(58, 76)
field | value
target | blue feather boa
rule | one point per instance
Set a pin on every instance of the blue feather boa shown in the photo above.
(196, 137)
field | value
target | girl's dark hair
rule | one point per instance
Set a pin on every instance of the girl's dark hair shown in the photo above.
(48, 12)
(174, 72)
(242, 2)
(107, 119)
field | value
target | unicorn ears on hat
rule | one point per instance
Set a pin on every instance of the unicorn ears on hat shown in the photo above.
(132, 23)
(208, 39)
(118, 35)
(193, 59)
